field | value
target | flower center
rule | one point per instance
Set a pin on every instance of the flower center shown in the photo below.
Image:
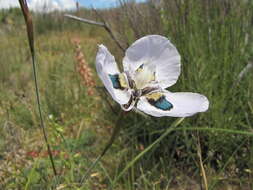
(144, 75)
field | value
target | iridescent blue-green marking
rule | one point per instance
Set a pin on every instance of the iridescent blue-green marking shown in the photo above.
(118, 81)
(115, 81)
(160, 103)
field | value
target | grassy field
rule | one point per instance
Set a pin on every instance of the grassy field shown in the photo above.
(211, 149)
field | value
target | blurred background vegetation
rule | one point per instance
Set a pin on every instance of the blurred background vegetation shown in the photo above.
(214, 38)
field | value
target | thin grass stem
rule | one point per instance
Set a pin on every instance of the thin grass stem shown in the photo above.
(141, 154)
(29, 25)
(207, 129)
(199, 153)
(116, 131)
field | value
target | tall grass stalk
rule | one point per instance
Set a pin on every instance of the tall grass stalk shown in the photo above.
(108, 145)
(29, 25)
(203, 172)
(141, 154)
(207, 129)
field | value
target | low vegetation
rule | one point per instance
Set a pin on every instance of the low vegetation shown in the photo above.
(214, 39)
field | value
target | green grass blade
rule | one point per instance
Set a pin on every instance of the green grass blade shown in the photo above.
(108, 145)
(207, 129)
(168, 131)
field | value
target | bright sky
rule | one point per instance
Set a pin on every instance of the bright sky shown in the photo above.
(101, 3)
(61, 4)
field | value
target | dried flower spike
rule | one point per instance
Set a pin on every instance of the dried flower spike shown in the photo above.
(84, 70)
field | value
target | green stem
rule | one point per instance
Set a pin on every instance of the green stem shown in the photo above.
(170, 129)
(40, 115)
(116, 131)
(211, 129)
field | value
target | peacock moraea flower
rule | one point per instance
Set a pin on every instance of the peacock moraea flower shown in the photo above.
(151, 65)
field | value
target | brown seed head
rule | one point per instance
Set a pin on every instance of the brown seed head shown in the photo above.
(83, 69)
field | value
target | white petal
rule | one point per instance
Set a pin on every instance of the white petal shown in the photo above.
(157, 51)
(184, 104)
(105, 65)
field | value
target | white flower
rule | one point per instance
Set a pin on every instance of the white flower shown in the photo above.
(151, 64)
